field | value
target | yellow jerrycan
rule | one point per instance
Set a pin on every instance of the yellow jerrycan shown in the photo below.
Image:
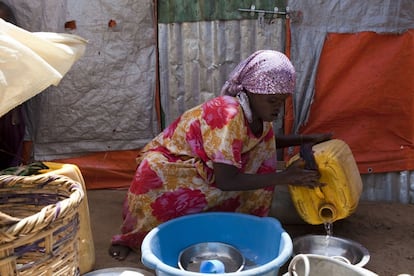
(86, 244)
(343, 185)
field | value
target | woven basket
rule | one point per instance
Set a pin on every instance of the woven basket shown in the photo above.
(39, 225)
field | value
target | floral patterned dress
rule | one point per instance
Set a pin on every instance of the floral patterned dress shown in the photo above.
(175, 174)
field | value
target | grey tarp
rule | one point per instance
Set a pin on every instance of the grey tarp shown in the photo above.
(106, 101)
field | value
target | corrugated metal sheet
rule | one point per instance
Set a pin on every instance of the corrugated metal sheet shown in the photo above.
(196, 58)
(390, 187)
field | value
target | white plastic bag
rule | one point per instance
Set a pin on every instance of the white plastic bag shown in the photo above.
(30, 62)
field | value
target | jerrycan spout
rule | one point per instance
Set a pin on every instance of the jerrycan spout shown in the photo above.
(327, 213)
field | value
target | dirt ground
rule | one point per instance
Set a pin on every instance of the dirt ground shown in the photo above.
(385, 229)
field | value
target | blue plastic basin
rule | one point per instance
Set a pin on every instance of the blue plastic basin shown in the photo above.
(263, 242)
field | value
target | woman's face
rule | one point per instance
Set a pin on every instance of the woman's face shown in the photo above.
(267, 107)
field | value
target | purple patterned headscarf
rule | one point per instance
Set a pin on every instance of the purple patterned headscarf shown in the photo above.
(264, 72)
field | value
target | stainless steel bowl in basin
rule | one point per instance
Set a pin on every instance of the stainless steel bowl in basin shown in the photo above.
(191, 258)
(335, 247)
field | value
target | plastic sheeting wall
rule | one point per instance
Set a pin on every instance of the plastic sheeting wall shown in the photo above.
(196, 57)
(106, 101)
(311, 22)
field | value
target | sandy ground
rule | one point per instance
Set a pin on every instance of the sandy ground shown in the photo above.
(385, 229)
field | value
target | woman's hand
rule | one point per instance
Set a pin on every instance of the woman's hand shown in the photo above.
(298, 176)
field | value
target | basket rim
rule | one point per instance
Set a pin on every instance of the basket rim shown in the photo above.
(11, 228)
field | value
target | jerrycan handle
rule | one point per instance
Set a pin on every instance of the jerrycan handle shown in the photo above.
(306, 153)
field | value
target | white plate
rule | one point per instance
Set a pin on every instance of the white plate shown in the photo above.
(119, 271)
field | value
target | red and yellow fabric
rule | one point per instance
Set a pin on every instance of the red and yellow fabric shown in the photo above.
(175, 173)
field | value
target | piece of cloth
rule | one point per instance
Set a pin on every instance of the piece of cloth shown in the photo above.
(263, 72)
(175, 173)
(106, 170)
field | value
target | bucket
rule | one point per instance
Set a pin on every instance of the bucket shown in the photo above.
(264, 244)
(315, 265)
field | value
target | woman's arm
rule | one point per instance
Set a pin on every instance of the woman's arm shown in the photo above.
(228, 177)
(283, 141)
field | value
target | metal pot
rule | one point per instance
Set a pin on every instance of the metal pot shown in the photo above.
(338, 248)
(220, 257)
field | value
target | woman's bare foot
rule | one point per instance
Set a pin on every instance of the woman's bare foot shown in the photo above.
(119, 252)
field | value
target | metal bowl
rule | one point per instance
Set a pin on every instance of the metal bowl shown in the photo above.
(191, 258)
(338, 248)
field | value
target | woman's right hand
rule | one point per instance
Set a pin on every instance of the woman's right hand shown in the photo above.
(296, 175)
